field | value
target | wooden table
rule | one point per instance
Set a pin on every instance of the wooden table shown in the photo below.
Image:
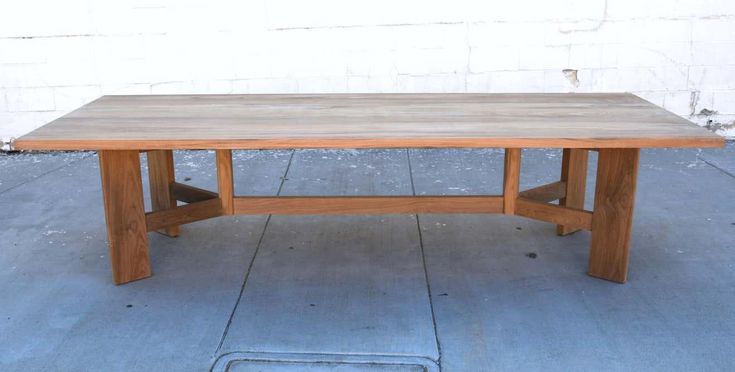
(615, 125)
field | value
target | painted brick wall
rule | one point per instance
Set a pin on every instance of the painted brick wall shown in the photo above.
(56, 56)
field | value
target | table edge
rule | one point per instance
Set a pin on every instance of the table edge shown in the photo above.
(358, 143)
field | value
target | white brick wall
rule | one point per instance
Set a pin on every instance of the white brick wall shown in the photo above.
(55, 56)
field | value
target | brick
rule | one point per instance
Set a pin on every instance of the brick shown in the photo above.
(516, 81)
(494, 58)
(280, 85)
(713, 53)
(322, 84)
(586, 57)
(70, 98)
(714, 30)
(450, 83)
(431, 61)
(713, 77)
(29, 99)
(18, 51)
(543, 57)
(724, 102)
(377, 84)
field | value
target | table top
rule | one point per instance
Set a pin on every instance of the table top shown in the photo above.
(268, 121)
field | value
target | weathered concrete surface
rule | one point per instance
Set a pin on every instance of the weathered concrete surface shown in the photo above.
(722, 160)
(60, 310)
(16, 170)
(338, 284)
(494, 306)
(500, 309)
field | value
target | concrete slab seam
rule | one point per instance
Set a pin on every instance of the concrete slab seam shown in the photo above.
(715, 166)
(423, 263)
(252, 261)
(47, 173)
(223, 363)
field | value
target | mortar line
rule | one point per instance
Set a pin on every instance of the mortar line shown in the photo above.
(46, 173)
(252, 260)
(426, 270)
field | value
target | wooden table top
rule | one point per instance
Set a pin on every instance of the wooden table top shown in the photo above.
(268, 121)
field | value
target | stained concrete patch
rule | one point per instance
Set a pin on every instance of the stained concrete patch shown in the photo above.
(321, 362)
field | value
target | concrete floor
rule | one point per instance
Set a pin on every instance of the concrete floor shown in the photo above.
(368, 293)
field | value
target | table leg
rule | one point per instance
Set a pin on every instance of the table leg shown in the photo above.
(574, 174)
(122, 189)
(613, 213)
(225, 181)
(160, 177)
(511, 179)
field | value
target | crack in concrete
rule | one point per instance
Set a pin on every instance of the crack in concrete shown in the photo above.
(713, 165)
(423, 263)
(252, 260)
(46, 173)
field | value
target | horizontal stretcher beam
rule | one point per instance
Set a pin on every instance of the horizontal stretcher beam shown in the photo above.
(546, 193)
(575, 218)
(205, 204)
(184, 214)
(367, 204)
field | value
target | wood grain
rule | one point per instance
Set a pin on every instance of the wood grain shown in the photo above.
(546, 193)
(511, 179)
(604, 120)
(367, 204)
(122, 189)
(575, 218)
(574, 175)
(225, 183)
(184, 214)
(190, 194)
(612, 219)
(160, 178)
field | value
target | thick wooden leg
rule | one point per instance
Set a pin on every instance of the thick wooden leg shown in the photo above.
(574, 175)
(161, 177)
(612, 218)
(122, 189)
(224, 181)
(511, 179)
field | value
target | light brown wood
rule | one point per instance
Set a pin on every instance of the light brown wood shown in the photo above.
(546, 193)
(612, 218)
(511, 179)
(574, 175)
(225, 181)
(575, 218)
(122, 190)
(184, 214)
(367, 204)
(161, 177)
(190, 194)
(578, 120)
